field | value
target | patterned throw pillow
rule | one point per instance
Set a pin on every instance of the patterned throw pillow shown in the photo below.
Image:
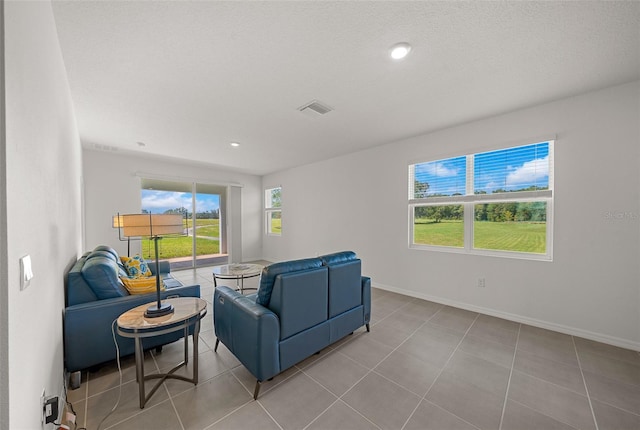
(136, 266)
(141, 285)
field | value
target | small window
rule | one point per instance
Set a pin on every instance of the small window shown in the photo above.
(273, 211)
(497, 202)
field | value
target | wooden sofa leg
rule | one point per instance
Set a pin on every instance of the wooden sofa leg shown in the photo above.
(368, 328)
(256, 390)
(215, 348)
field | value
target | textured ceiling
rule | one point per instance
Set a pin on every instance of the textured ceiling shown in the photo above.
(187, 78)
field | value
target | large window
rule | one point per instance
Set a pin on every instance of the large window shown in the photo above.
(496, 203)
(273, 211)
(200, 204)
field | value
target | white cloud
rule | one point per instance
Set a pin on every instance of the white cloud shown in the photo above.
(530, 172)
(439, 169)
(165, 200)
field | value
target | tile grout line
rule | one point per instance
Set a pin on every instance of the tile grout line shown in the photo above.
(227, 415)
(86, 401)
(268, 414)
(442, 370)
(138, 412)
(344, 403)
(369, 371)
(513, 362)
(164, 385)
(584, 381)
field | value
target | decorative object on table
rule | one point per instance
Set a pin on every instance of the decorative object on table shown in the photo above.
(154, 226)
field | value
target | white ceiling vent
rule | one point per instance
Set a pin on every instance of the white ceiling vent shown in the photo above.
(101, 147)
(315, 107)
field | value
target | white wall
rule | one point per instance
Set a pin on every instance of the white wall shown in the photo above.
(43, 161)
(112, 185)
(359, 202)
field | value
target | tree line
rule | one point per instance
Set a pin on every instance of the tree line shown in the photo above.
(494, 212)
(211, 214)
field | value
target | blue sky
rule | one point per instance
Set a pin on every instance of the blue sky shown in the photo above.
(157, 202)
(509, 169)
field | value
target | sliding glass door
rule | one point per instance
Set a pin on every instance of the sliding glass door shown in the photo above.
(200, 206)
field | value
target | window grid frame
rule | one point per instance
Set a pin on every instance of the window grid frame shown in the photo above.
(470, 199)
(269, 210)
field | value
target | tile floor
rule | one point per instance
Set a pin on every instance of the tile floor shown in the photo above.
(423, 366)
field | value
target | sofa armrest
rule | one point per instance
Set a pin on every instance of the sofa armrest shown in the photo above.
(366, 298)
(87, 328)
(165, 267)
(249, 330)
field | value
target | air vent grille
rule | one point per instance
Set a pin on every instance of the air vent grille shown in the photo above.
(315, 106)
(101, 147)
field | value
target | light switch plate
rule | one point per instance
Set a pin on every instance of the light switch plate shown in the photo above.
(26, 272)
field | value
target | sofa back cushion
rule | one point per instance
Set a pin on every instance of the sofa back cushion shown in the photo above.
(300, 300)
(100, 271)
(78, 291)
(270, 272)
(345, 285)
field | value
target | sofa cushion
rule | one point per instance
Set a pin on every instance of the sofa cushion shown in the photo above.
(78, 291)
(142, 285)
(345, 290)
(338, 257)
(136, 266)
(101, 273)
(108, 249)
(270, 272)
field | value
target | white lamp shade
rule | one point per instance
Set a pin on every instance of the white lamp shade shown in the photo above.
(151, 225)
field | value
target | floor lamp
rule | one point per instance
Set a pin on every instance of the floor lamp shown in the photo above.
(154, 226)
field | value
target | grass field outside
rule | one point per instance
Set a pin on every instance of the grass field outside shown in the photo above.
(207, 241)
(501, 236)
(276, 226)
(444, 233)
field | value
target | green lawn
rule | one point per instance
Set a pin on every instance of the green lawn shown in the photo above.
(443, 233)
(504, 236)
(173, 247)
(511, 236)
(276, 225)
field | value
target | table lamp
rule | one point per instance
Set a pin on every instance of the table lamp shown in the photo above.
(154, 226)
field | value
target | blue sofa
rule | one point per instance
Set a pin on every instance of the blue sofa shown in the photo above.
(301, 307)
(95, 297)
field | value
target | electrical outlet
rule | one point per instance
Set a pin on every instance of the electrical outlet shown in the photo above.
(481, 283)
(50, 409)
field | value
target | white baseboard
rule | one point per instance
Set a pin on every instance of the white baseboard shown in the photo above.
(573, 331)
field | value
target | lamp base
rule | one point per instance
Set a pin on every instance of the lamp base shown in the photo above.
(154, 311)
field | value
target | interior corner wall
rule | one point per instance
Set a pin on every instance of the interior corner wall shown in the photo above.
(4, 280)
(359, 202)
(43, 177)
(112, 185)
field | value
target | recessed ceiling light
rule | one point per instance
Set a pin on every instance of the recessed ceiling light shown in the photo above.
(234, 144)
(400, 50)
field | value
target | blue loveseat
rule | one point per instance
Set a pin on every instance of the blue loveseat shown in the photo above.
(301, 307)
(95, 298)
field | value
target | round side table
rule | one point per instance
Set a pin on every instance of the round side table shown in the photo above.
(239, 272)
(188, 311)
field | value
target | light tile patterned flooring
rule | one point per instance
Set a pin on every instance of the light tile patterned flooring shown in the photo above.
(423, 366)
